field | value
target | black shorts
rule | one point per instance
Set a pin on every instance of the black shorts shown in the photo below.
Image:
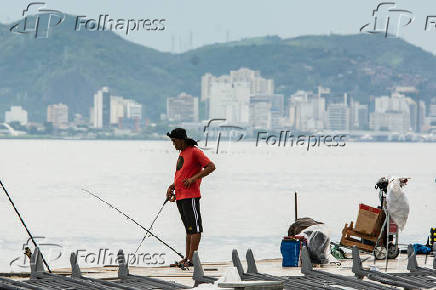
(189, 209)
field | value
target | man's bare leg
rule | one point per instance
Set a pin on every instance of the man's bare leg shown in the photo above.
(195, 241)
(188, 245)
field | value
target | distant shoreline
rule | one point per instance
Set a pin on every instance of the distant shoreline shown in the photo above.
(351, 140)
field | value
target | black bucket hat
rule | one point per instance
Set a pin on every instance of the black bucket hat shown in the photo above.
(180, 133)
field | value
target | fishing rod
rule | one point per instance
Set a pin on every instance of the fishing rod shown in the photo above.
(24, 224)
(134, 221)
(151, 226)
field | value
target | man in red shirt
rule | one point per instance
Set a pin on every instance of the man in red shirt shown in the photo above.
(192, 166)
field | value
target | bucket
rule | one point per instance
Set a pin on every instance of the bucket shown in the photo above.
(290, 249)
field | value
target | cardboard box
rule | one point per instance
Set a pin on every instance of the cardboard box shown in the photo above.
(369, 220)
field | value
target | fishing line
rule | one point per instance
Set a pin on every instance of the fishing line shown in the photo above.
(23, 223)
(131, 219)
(151, 226)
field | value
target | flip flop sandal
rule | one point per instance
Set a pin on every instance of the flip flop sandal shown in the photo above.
(187, 264)
(177, 264)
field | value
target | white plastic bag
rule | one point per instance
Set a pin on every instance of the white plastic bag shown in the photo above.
(318, 243)
(397, 204)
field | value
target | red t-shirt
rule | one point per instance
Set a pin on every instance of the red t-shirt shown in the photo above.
(190, 162)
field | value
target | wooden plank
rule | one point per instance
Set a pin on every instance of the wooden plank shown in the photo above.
(353, 242)
(363, 236)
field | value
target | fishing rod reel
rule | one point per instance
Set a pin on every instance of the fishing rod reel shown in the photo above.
(171, 198)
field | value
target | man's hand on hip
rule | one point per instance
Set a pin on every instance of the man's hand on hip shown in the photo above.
(187, 182)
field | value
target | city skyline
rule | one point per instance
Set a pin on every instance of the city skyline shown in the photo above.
(244, 97)
(356, 71)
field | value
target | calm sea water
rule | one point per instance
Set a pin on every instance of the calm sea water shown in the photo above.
(247, 202)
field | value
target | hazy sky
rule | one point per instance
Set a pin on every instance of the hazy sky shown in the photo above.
(216, 21)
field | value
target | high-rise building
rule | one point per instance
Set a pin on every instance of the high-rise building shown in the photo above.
(260, 112)
(277, 111)
(222, 103)
(421, 116)
(16, 114)
(206, 83)
(353, 109)
(413, 114)
(102, 113)
(183, 108)
(228, 96)
(133, 114)
(336, 99)
(363, 117)
(394, 121)
(133, 110)
(125, 113)
(258, 85)
(117, 109)
(371, 105)
(299, 110)
(413, 100)
(319, 106)
(432, 109)
(338, 117)
(57, 115)
(382, 104)
(241, 99)
(306, 110)
(266, 111)
(432, 115)
(391, 114)
(358, 115)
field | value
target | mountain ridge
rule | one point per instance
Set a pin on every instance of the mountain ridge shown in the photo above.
(70, 66)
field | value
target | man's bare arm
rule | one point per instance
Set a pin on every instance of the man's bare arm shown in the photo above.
(208, 169)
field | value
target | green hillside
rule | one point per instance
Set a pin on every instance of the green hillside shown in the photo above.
(70, 66)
